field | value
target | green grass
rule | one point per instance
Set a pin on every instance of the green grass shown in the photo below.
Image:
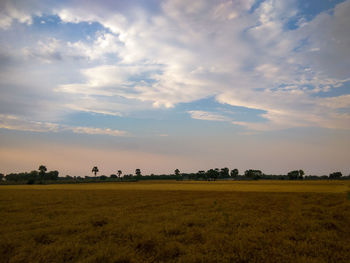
(176, 222)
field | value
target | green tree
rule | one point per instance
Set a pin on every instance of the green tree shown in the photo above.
(34, 175)
(2, 177)
(42, 170)
(301, 174)
(119, 173)
(138, 172)
(335, 175)
(95, 170)
(200, 174)
(255, 174)
(295, 175)
(177, 172)
(234, 173)
(224, 172)
(213, 174)
(52, 175)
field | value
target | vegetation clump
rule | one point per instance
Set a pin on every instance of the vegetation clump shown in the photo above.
(43, 177)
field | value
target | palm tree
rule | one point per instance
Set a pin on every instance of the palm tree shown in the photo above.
(42, 169)
(177, 172)
(119, 173)
(138, 172)
(94, 170)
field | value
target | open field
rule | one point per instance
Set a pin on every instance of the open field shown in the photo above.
(334, 186)
(255, 221)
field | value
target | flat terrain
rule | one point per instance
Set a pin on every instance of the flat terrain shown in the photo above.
(223, 186)
(253, 221)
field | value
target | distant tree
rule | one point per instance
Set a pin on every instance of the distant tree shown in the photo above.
(113, 176)
(103, 177)
(31, 181)
(138, 172)
(119, 173)
(301, 174)
(2, 177)
(255, 174)
(52, 175)
(42, 169)
(335, 175)
(213, 174)
(34, 174)
(200, 174)
(95, 170)
(295, 175)
(224, 172)
(234, 173)
(177, 172)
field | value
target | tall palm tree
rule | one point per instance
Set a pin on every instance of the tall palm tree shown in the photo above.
(119, 173)
(94, 170)
(42, 169)
(138, 172)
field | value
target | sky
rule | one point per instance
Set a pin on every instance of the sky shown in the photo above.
(159, 85)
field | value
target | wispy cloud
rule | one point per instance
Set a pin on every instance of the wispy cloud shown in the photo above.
(10, 122)
(208, 116)
(89, 130)
(9, 12)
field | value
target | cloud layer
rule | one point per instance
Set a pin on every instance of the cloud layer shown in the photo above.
(14, 123)
(252, 54)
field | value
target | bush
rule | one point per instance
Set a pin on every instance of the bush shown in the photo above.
(31, 181)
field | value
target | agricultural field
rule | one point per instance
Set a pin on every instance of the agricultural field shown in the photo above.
(234, 221)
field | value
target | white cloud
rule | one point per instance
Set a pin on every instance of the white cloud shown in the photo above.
(93, 109)
(204, 55)
(89, 130)
(336, 102)
(46, 51)
(103, 45)
(9, 12)
(11, 122)
(208, 116)
(185, 51)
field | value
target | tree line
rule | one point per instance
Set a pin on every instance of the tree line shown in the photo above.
(43, 176)
(32, 177)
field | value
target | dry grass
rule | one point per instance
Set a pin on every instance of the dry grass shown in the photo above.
(329, 186)
(136, 222)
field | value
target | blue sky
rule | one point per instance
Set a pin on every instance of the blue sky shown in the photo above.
(159, 85)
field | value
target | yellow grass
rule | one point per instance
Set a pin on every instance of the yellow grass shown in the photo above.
(222, 186)
(257, 221)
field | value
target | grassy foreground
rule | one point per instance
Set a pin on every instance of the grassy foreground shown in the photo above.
(260, 221)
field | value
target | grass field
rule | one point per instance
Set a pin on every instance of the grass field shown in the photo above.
(255, 221)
